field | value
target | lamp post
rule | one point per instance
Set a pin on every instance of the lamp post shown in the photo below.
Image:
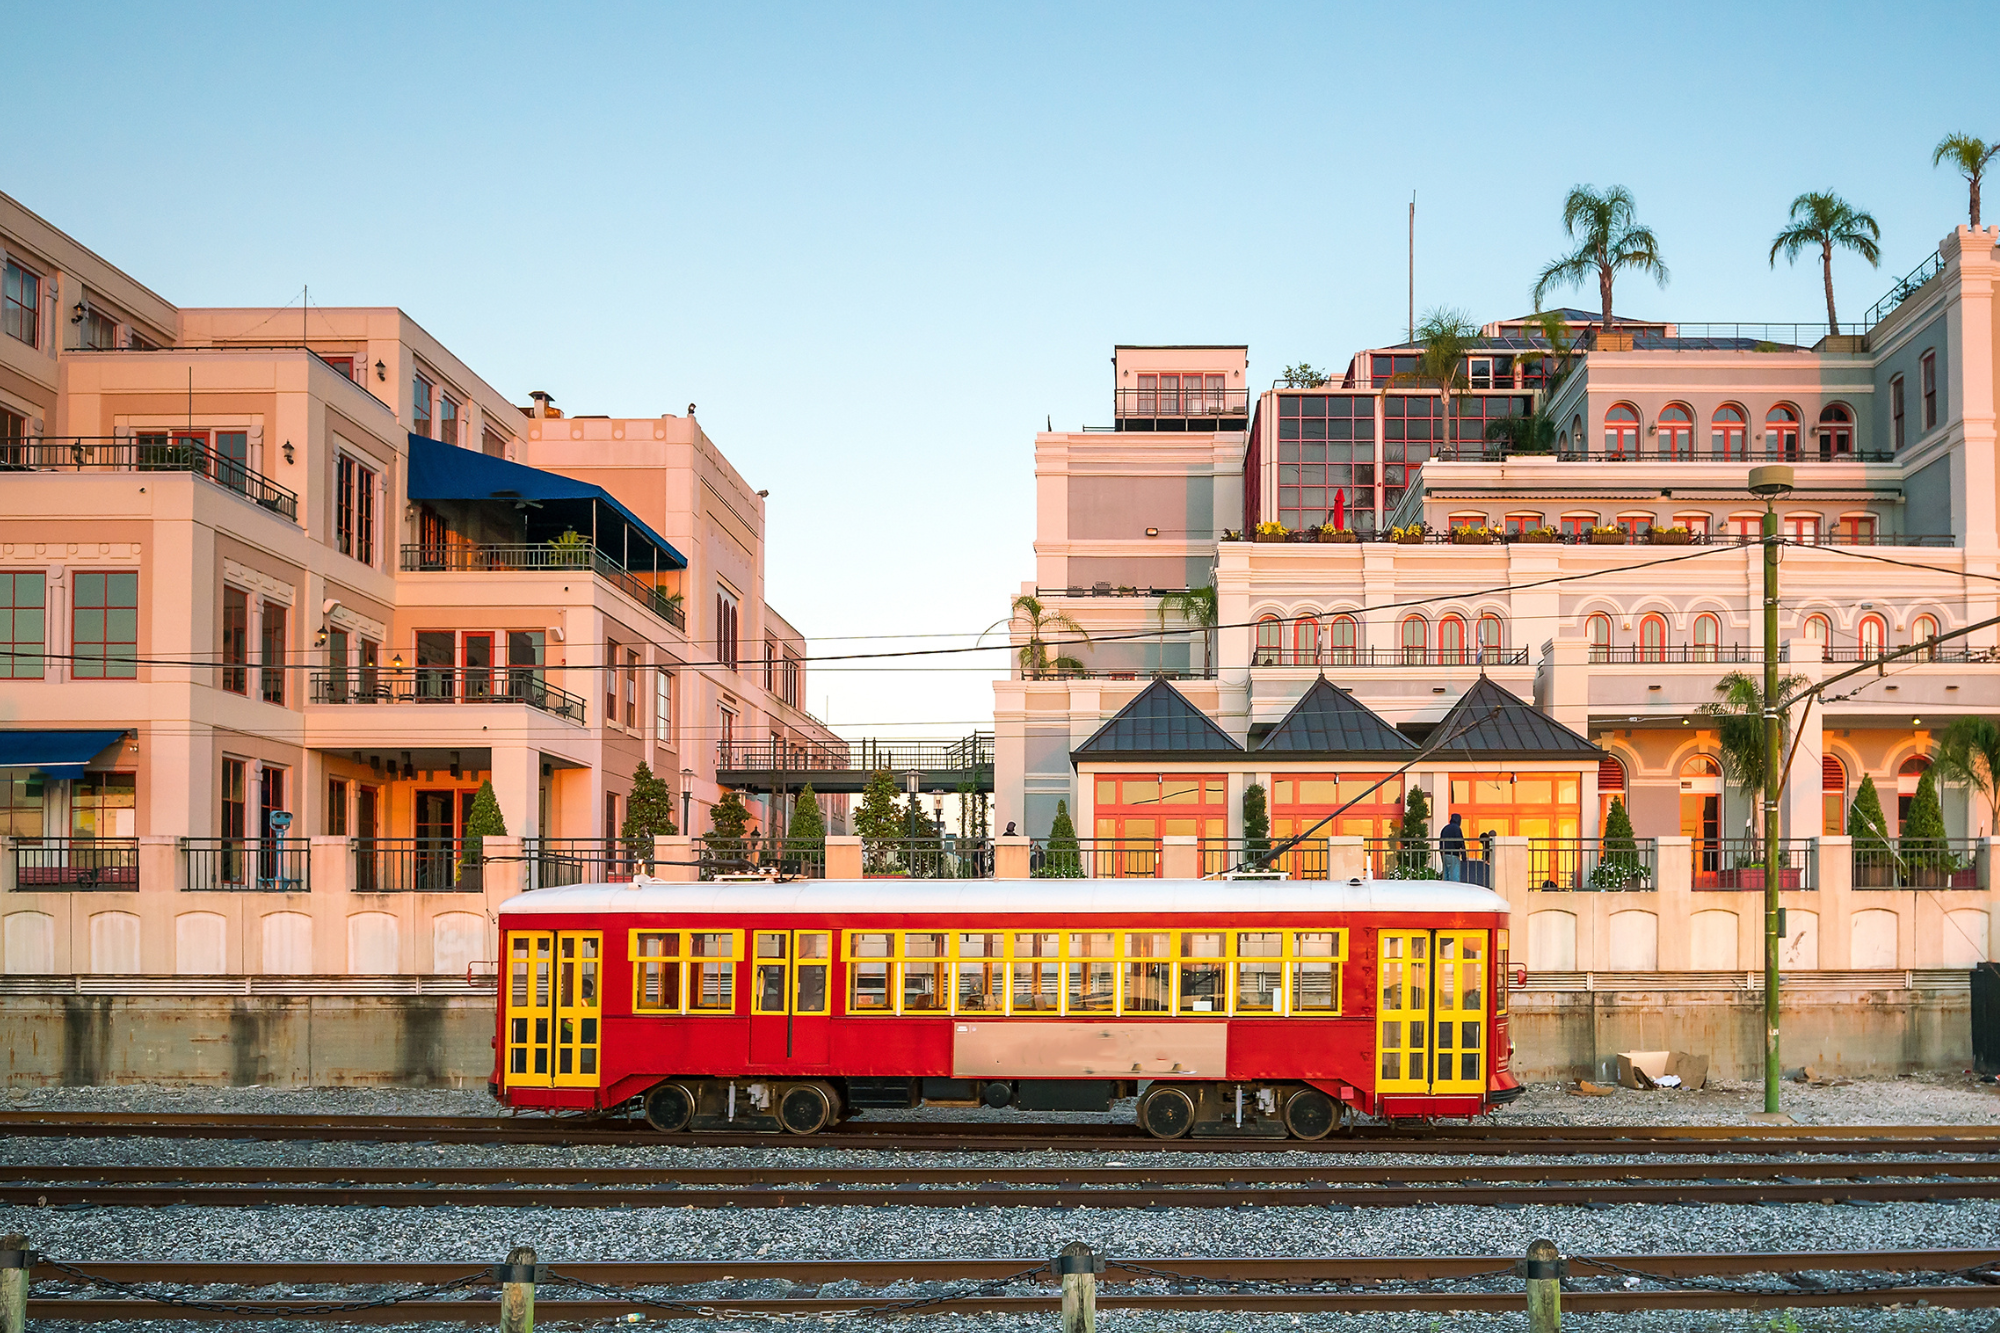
(687, 802)
(912, 779)
(1768, 483)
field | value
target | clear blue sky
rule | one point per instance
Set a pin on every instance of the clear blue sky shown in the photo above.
(880, 246)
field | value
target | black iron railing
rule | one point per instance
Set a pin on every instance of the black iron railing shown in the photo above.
(761, 854)
(1095, 858)
(1136, 673)
(1390, 657)
(1912, 863)
(1906, 286)
(413, 865)
(1959, 655)
(896, 757)
(1738, 863)
(1426, 858)
(1182, 403)
(1307, 860)
(162, 453)
(43, 865)
(1617, 865)
(926, 858)
(553, 862)
(1809, 452)
(445, 685)
(1675, 653)
(268, 865)
(490, 557)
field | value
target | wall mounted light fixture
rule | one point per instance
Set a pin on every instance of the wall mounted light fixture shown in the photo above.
(288, 451)
(381, 371)
(81, 311)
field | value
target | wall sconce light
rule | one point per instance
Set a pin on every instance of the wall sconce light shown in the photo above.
(81, 311)
(1152, 532)
(319, 639)
(409, 769)
(1684, 722)
(288, 451)
(397, 661)
(381, 371)
(454, 763)
(1916, 722)
(1653, 428)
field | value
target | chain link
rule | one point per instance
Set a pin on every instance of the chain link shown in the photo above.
(707, 1311)
(164, 1297)
(1972, 1274)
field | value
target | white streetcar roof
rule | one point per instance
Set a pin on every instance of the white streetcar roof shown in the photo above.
(1053, 897)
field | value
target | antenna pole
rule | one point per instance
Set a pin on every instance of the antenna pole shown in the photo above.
(1413, 266)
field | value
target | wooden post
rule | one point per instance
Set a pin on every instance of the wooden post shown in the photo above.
(1544, 1271)
(517, 1297)
(14, 1283)
(1078, 1265)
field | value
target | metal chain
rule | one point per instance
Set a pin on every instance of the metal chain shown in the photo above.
(164, 1297)
(1973, 1273)
(1238, 1284)
(706, 1311)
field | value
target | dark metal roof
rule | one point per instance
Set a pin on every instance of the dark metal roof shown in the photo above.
(1159, 721)
(1518, 731)
(1327, 722)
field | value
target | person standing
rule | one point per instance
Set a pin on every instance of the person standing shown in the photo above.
(1451, 847)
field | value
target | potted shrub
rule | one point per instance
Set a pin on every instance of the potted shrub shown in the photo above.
(1607, 536)
(1413, 535)
(1677, 535)
(1540, 536)
(1272, 532)
(1472, 536)
(1329, 533)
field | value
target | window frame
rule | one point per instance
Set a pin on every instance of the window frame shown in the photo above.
(1623, 427)
(1671, 426)
(1599, 651)
(24, 309)
(682, 960)
(1787, 423)
(1881, 635)
(1835, 433)
(24, 658)
(102, 666)
(1896, 410)
(1729, 432)
(235, 653)
(1927, 382)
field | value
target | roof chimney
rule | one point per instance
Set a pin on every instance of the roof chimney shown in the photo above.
(543, 402)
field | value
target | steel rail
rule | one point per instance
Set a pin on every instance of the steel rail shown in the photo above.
(1465, 1194)
(1123, 1173)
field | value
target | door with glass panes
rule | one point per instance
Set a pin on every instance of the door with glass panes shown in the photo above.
(553, 1008)
(1431, 1012)
(790, 1021)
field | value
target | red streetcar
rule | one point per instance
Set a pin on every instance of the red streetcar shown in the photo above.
(1229, 1007)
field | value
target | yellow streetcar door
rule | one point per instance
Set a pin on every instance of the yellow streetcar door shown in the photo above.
(578, 1009)
(789, 975)
(1431, 1011)
(530, 1008)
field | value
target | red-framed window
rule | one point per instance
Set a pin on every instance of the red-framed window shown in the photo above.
(1819, 630)
(1676, 431)
(1270, 641)
(1707, 636)
(1305, 641)
(1856, 529)
(1928, 379)
(1578, 525)
(1142, 807)
(104, 625)
(1340, 640)
(1728, 432)
(1922, 630)
(1416, 638)
(1610, 786)
(1301, 800)
(354, 512)
(1836, 431)
(1451, 641)
(1653, 639)
(1492, 637)
(1802, 527)
(1597, 629)
(1781, 432)
(235, 640)
(1873, 635)
(1621, 431)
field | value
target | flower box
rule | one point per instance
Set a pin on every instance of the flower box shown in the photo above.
(1667, 537)
(1271, 537)
(1608, 539)
(1409, 539)
(1752, 877)
(1537, 538)
(1472, 537)
(1338, 535)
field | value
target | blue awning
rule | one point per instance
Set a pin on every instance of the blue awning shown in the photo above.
(445, 472)
(60, 754)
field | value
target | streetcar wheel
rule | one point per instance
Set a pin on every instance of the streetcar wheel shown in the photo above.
(805, 1109)
(1311, 1114)
(669, 1107)
(1166, 1113)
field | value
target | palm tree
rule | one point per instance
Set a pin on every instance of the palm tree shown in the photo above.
(1035, 659)
(1447, 335)
(1555, 331)
(1534, 433)
(1738, 710)
(1970, 156)
(1969, 754)
(1194, 606)
(1824, 219)
(1607, 240)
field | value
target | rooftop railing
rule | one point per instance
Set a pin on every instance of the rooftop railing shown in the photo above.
(1653, 453)
(44, 865)
(897, 757)
(1095, 858)
(1738, 863)
(264, 865)
(1120, 673)
(1391, 657)
(1906, 286)
(766, 854)
(145, 453)
(534, 557)
(1640, 537)
(445, 685)
(1678, 653)
(1156, 403)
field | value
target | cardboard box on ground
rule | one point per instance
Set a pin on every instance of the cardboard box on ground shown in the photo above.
(1652, 1069)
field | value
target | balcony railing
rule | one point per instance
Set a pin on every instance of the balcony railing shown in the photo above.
(413, 865)
(45, 865)
(1906, 286)
(1640, 537)
(1908, 863)
(1682, 653)
(1738, 863)
(1181, 404)
(926, 858)
(1426, 858)
(1809, 452)
(1958, 655)
(1569, 864)
(554, 862)
(763, 854)
(1308, 860)
(267, 865)
(1391, 657)
(1134, 673)
(534, 557)
(100, 453)
(896, 757)
(445, 685)
(1095, 858)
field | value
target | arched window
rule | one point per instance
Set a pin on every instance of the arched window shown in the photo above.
(1610, 787)
(1836, 431)
(1746, 527)
(1908, 775)
(1270, 642)
(1801, 527)
(1577, 526)
(1727, 433)
(1924, 629)
(1451, 641)
(1696, 523)
(1305, 641)
(1874, 634)
(1707, 637)
(1416, 639)
(1621, 431)
(1781, 433)
(1819, 630)
(1701, 766)
(1598, 629)
(1676, 432)
(1340, 640)
(1653, 639)
(1491, 638)
(1833, 796)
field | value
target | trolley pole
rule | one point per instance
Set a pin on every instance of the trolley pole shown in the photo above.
(1770, 483)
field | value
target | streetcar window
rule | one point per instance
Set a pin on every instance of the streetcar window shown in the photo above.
(1092, 983)
(1315, 988)
(1148, 987)
(1090, 946)
(1203, 945)
(1203, 987)
(1034, 983)
(923, 983)
(982, 987)
(870, 946)
(981, 946)
(1037, 946)
(923, 946)
(657, 976)
(868, 988)
(1259, 987)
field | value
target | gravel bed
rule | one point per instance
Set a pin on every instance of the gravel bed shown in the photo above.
(1917, 1099)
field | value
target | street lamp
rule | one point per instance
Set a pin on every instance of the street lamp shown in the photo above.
(1768, 483)
(937, 809)
(687, 801)
(912, 779)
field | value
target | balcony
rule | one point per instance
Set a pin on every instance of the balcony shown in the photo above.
(100, 453)
(1183, 410)
(45, 865)
(446, 685)
(845, 766)
(1266, 656)
(536, 557)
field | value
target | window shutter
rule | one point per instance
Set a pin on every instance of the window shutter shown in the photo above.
(1610, 776)
(1832, 774)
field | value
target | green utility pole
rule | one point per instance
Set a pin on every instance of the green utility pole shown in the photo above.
(1770, 483)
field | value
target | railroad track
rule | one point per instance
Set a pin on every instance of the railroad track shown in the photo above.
(1122, 1186)
(1297, 1284)
(937, 1136)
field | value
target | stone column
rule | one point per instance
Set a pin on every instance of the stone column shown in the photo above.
(1833, 875)
(7, 865)
(331, 864)
(1010, 857)
(1180, 857)
(1674, 880)
(1346, 858)
(843, 857)
(503, 873)
(160, 880)
(160, 864)
(517, 783)
(674, 859)
(1510, 872)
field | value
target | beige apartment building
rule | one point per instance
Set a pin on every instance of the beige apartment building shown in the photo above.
(279, 589)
